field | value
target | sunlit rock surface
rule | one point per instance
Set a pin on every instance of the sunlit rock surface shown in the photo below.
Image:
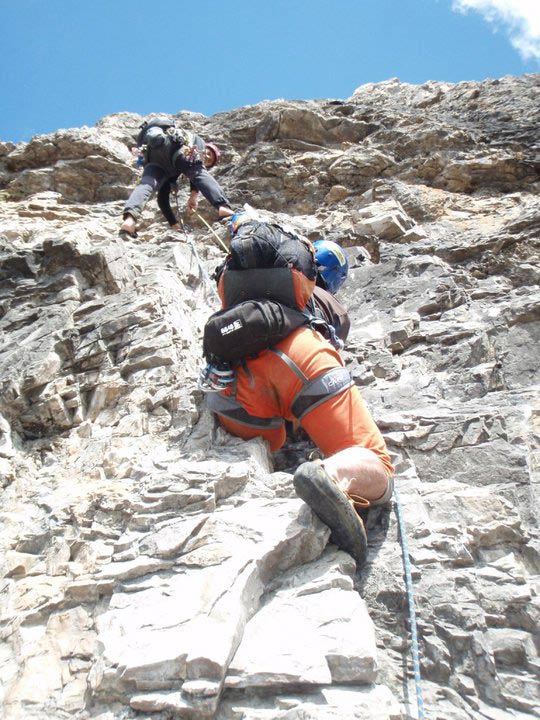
(152, 565)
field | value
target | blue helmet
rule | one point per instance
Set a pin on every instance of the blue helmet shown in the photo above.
(332, 264)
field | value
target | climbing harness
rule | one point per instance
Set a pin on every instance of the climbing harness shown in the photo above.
(187, 147)
(410, 599)
(220, 241)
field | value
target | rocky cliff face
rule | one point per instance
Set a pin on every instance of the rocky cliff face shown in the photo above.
(153, 566)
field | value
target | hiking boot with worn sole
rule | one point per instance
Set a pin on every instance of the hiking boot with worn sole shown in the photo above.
(331, 505)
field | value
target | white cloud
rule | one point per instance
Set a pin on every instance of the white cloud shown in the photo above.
(520, 18)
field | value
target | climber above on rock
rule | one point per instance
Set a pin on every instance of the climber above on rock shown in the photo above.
(297, 375)
(169, 152)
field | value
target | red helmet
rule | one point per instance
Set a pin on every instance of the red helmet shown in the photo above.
(217, 153)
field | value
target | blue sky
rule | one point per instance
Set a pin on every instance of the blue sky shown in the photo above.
(68, 63)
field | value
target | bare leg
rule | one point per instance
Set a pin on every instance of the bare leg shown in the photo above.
(358, 471)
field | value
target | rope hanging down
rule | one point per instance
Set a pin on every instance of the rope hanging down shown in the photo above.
(206, 278)
(204, 274)
(410, 599)
(220, 241)
(174, 190)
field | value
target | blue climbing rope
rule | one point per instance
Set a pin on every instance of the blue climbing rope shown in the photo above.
(410, 599)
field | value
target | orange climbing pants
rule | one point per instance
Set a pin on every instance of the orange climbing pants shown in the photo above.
(301, 378)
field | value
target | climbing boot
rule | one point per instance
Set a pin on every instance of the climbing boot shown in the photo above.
(331, 505)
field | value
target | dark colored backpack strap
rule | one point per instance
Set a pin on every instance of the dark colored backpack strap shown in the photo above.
(291, 364)
(318, 322)
(317, 391)
(328, 307)
(230, 408)
(322, 388)
(246, 248)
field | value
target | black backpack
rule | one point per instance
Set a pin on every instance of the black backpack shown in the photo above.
(248, 328)
(178, 142)
(268, 262)
(160, 121)
(266, 286)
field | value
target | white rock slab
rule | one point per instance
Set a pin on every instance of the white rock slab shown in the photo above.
(187, 624)
(319, 638)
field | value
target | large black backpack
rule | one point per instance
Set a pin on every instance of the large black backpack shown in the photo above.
(178, 142)
(248, 328)
(268, 262)
(266, 286)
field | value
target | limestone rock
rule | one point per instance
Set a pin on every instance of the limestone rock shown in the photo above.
(152, 563)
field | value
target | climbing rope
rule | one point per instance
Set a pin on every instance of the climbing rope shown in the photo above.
(220, 241)
(204, 273)
(410, 599)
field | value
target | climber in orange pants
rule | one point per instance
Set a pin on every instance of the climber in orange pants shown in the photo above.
(303, 378)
